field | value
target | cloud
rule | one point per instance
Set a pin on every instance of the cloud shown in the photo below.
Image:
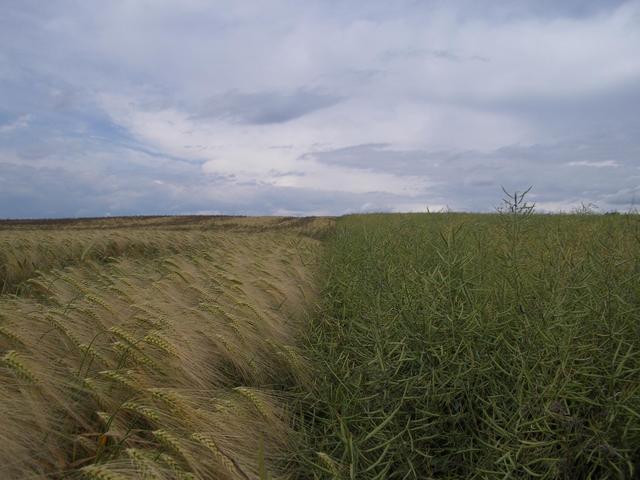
(626, 198)
(423, 53)
(601, 164)
(266, 107)
(283, 106)
(21, 122)
(472, 179)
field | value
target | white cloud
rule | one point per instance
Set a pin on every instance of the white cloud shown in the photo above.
(599, 164)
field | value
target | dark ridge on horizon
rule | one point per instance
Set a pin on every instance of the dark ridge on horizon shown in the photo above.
(173, 222)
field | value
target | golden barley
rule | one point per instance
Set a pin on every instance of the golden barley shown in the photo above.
(99, 472)
(12, 360)
(255, 400)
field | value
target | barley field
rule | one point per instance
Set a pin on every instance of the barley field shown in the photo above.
(400, 346)
(152, 347)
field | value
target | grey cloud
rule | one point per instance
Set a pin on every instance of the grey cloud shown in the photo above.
(627, 198)
(93, 186)
(560, 172)
(566, 8)
(286, 173)
(266, 107)
(504, 10)
(425, 54)
(27, 192)
(608, 111)
(299, 201)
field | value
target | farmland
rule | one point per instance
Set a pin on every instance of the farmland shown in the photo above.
(408, 346)
(477, 346)
(150, 348)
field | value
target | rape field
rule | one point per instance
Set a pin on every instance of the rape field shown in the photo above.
(493, 346)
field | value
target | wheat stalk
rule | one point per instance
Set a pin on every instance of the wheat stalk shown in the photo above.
(123, 334)
(329, 463)
(143, 410)
(120, 378)
(170, 441)
(261, 406)
(99, 472)
(143, 463)
(222, 457)
(11, 336)
(159, 342)
(180, 473)
(100, 302)
(12, 360)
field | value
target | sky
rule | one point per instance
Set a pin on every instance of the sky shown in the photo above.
(269, 107)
